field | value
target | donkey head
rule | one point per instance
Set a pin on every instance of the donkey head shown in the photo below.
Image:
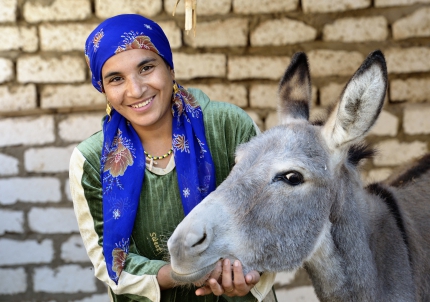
(275, 208)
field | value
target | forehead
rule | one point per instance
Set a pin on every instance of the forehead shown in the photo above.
(295, 142)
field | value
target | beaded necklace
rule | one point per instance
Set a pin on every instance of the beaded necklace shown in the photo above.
(151, 158)
(158, 157)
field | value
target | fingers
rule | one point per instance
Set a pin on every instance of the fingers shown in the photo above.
(241, 288)
(216, 273)
(229, 280)
(213, 282)
(252, 278)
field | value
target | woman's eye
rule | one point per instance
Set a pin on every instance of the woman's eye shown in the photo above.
(115, 79)
(293, 178)
(146, 68)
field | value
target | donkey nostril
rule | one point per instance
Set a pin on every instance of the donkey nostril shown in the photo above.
(200, 241)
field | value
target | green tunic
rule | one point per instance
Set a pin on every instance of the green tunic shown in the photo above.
(160, 208)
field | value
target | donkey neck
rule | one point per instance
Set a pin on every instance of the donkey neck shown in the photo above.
(342, 267)
(354, 261)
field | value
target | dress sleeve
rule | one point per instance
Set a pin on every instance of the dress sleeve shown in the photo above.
(139, 277)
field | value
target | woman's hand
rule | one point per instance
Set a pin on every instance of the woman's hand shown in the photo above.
(229, 280)
(164, 278)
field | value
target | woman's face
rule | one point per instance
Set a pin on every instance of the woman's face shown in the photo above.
(138, 84)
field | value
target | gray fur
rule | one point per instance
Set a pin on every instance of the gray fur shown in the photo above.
(348, 239)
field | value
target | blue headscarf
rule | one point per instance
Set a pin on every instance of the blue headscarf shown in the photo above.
(123, 161)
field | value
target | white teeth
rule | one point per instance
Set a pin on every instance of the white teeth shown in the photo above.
(140, 105)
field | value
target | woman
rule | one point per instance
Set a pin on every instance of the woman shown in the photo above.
(161, 151)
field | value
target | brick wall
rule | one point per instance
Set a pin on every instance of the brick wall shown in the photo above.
(242, 47)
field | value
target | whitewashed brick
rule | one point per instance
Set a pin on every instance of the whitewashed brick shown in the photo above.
(7, 70)
(11, 221)
(316, 113)
(188, 66)
(41, 69)
(8, 11)
(26, 131)
(64, 279)
(387, 124)
(272, 120)
(52, 220)
(411, 90)
(67, 190)
(282, 32)
(256, 67)
(414, 25)
(18, 38)
(393, 153)
(203, 9)
(357, 29)
(416, 119)
(386, 3)
(264, 6)
(173, 33)
(330, 93)
(31, 189)
(64, 37)
(18, 97)
(223, 33)
(12, 37)
(231, 93)
(73, 250)
(256, 118)
(302, 293)
(266, 96)
(95, 298)
(109, 8)
(28, 251)
(376, 175)
(407, 60)
(57, 10)
(334, 62)
(14, 281)
(29, 38)
(77, 127)
(48, 159)
(325, 6)
(9, 165)
(263, 96)
(64, 96)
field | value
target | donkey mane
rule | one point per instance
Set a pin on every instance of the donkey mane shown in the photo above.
(420, 167)
(388, 198)
(359, 152)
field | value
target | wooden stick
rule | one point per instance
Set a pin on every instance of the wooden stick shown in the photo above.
(190, 15)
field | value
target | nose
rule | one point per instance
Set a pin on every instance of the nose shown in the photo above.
(189, 241)
(135, 87)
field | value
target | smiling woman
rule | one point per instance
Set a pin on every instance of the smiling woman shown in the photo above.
(162, 150)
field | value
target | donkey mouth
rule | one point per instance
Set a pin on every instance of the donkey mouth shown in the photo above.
(199, 276)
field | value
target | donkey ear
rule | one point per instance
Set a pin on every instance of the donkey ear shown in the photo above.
(360, 103)
(295, 90)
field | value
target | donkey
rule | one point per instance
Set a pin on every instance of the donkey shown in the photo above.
(295, 199)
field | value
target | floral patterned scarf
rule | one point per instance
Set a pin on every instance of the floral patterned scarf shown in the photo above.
(123, 160)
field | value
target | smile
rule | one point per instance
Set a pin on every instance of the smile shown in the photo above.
(144, 103)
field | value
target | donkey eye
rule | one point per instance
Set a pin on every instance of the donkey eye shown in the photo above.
(292, 178)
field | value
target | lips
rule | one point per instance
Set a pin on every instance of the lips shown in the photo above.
(142, 104)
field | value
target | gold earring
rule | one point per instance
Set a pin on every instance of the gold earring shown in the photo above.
(108, 110)
(175, 88)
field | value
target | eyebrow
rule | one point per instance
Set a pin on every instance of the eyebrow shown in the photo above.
(144, 62)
